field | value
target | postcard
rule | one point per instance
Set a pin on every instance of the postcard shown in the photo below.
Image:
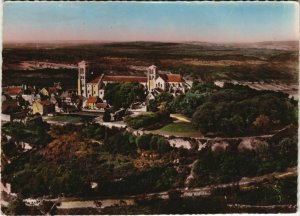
(149, 108)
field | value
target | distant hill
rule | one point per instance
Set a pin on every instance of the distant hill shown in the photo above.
(281, 45)
(262, 61)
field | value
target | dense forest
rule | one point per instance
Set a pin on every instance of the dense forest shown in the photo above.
(71, 158)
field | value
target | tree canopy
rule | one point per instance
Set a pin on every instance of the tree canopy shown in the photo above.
(236, 110)
(124, 94)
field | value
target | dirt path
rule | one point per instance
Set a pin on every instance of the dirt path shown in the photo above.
(181, 118)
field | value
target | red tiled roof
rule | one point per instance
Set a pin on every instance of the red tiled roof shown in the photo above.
(93, 99)
(12, 90)
(101, 105)
(45, 102)
(96, 80)
(125, 79)
(172, 77)
(52, 90)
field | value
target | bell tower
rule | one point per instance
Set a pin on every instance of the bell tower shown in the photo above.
(151, 76)
(83, 75)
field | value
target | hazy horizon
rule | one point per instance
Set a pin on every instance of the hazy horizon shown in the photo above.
(207, 22)
(137, 41)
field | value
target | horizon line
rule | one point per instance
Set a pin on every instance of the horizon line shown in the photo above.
(130, 41)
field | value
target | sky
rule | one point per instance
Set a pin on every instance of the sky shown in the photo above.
(116, 21)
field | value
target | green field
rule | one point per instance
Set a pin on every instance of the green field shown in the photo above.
(180, 129)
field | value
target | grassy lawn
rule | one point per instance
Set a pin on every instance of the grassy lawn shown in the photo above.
(179, 127)
(65, 118)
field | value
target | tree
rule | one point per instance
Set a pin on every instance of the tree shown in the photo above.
(236, 110)
(124, 94)
(106, 116)
(262, 122)
(287, 148)
(228, 168)
(154, 142)
(163, 145)
(152, 105)
(203, 118)
(119, 143)
(17, 207)
(143, 142)
(94, 131)
(162, 102)
(164, 97)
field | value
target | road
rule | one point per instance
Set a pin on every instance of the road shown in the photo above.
(70, 203)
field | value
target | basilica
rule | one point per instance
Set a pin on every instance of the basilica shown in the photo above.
(154, 82)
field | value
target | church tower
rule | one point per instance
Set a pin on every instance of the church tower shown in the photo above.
(151, 76)
(83, 75)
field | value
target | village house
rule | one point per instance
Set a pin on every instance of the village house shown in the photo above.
(43, 107)
(44, 92)
(154, 82)
(13, 91)
(69, 97)
(92, 101)
(52, 91)
(29, 94)
(66, 97)
(13, 109)
(29, 98)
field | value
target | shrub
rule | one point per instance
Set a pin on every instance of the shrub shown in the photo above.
(153, 142)
(147, 120)
(143, 142)
(120, 143)
(94, 131)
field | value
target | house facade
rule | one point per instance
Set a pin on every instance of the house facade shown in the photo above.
(43, 107)
(92, 101)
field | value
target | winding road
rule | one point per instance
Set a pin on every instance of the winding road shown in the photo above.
(72, 203)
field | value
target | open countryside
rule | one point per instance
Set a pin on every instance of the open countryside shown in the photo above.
(143, 125)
